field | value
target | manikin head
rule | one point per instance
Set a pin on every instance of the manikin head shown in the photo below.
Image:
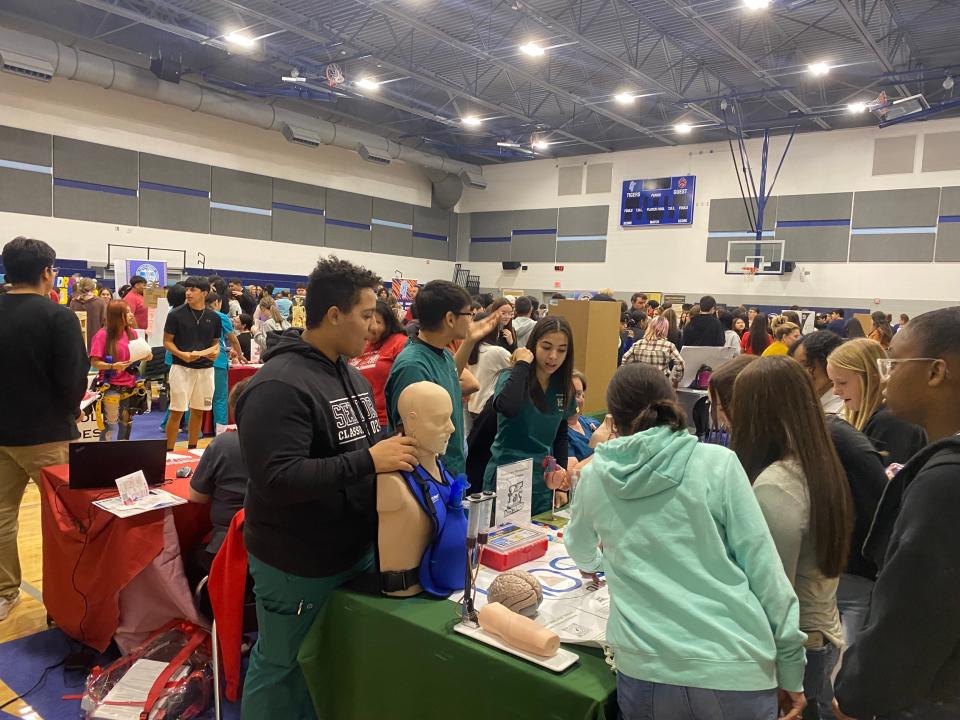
(425, 409)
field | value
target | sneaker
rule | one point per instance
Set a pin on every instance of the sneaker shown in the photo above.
(8, 604)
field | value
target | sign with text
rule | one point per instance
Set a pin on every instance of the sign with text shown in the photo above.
(153, 271)
(658, 201)
(515, 493)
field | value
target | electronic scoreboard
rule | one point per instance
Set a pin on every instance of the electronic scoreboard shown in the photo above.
(658, 201)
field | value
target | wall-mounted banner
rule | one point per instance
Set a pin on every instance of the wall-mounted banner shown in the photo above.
(153, 271)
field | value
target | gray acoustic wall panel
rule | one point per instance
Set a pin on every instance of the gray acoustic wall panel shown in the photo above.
(391, 241)
(174, 211)
(92, 163)
(941, 151)
(534, 248)
(490, 224)
(22, 191)
(287, 192)
(240, 224)
(815, 244)
(430, 248)
(894, 155)
(453, 237)
(907, 247)
(349, 206)
(717, 248)
(392, 211)
(948, 232)
(570, 180)
(241, 188)
(948, 242)
(582, 251)
(298, 227)
(534, 220)
(896, 208)
(730, 215)
(347, 238)
(431, 221)
(26, 147)
(599, 177)
(169, 210)
(106, 207)
(489, 251)
(824, 206)
(590, 220)
(175, 173)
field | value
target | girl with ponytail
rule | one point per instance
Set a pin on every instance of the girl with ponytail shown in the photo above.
(702, 616)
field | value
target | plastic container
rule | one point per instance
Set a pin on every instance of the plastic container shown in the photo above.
(511, 545)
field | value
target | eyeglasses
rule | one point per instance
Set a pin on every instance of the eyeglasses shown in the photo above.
(464, 314)
(885, 365)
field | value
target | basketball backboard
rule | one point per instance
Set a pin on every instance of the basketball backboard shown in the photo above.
(765, 256)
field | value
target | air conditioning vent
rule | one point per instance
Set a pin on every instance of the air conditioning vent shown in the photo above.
(473, 181)
(25, 66)
(374, 156)
(300, 136)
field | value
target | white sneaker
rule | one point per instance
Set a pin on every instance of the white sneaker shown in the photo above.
(8, 604)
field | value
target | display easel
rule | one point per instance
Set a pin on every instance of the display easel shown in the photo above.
(596, 340)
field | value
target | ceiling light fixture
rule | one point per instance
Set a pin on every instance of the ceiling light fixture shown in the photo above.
(857, 107)
(948, 82)
(818, 69)
(294, 77)
(540, 145)
(471, 121)
(532, 49)
(624, 98)
(367, 84)
(242, 40)
(507, 144)
(756, 4)
(683, 128)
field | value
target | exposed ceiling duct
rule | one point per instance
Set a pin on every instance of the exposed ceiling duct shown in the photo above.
(33, 56)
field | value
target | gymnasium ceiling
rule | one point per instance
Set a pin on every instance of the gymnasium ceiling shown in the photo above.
(716, 66)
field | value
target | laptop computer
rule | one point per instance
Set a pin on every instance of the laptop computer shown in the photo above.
(99, 464)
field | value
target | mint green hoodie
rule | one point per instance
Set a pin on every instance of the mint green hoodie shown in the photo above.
(698, 595)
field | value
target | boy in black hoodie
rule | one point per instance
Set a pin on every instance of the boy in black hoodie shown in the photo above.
(905, 663)
(311, 443)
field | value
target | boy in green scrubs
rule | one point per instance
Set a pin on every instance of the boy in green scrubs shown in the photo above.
(443, 310)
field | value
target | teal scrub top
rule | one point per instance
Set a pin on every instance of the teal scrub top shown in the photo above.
(529, 435)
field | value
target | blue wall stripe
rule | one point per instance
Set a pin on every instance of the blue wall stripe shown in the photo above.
(175, 189)
(812, 223)
(298, 208)
(950, 218)
(489, 239)
(29, 167)
(349, 224)
(573, 238)
(391, 224)
(240, 208)
(97, 187)
(893, 231)
(739, 233)
(430, 236)
(551, 231)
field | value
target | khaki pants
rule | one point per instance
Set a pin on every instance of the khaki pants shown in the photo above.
(17, 466)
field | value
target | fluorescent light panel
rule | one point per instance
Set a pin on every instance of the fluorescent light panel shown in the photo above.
(532, 49)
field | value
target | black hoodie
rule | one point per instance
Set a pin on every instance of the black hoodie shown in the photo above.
(306, 425)
(704, 330)
(908, 653)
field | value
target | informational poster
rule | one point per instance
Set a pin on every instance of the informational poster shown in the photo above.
(515, 493)
(400, 287)
(807, 320)
(573, 607)
(153, 271)
(87, 422)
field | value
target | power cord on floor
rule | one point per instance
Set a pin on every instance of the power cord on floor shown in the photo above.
(36, 685)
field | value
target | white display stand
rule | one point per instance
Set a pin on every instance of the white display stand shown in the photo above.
(558, 663)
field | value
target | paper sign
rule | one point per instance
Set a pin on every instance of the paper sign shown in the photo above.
(515, 492)
(132, 487)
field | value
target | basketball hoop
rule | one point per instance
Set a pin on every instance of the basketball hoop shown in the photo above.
(334, 75)
(749, 272)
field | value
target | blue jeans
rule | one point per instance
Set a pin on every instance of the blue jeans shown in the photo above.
(642, 700)
(221, 376)
(818, 682)
(853, 601)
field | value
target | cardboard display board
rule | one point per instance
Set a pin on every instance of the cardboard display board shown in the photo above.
(82, 317)
(596, 341)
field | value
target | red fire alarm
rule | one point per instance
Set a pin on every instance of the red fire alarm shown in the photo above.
(556, 283)
(558, 268)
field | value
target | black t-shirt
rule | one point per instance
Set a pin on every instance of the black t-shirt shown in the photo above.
(244, 340)
(193, 330)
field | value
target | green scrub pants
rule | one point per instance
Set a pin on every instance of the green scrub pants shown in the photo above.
(286, 608)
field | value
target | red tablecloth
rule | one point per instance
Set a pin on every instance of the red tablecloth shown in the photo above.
(235, 374)
(89, 555)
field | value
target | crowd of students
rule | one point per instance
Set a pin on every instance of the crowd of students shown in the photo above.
(740, 577)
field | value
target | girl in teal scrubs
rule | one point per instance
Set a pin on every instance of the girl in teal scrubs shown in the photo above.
(533, 402)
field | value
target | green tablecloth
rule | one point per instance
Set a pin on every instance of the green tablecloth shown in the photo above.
(374, 658)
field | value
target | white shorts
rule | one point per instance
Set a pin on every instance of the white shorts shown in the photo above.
(190, 388)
